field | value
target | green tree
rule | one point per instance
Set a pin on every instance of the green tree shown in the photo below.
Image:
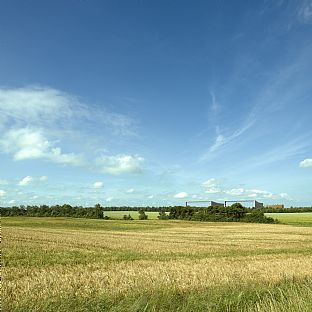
(142, 215)
(99, 211)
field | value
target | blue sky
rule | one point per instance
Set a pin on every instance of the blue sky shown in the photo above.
(155, 102)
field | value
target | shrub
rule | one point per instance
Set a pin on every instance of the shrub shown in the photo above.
(163, 216)
(127, 217)
(257, 216)
(142, 215)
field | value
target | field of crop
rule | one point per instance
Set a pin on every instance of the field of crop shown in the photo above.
(152, 215)
(300, 218)
(64, 264)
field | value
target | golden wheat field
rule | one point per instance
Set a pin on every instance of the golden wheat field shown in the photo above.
(63, 264)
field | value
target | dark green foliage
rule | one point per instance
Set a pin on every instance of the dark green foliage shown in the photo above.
(142, 215)
(234, 213)
(127, 217)
(163, 215)
(257, 216)
(181, 212)
(65, 210)
(99, 211)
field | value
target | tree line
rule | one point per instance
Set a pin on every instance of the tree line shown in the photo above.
(235, 213)
(65, 210)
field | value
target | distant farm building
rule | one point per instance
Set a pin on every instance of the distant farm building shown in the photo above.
(203, 203)
(227, 203)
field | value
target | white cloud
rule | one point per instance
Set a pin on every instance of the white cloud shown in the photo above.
(25, 181)
(109, 199)
(35, 105)
(120, 164)
(222, 140)
(210, 183)
(43, 178)
(181, 195)
(27, 143)
(260, 192)
(211, 186)
(12, 201)
(150, 196)
(130, 191)
(215, 106)
(306, 163)
(46, 107)
(284, 196)
(213, 190)
(235, 191)
(219, 141)
(98, 184)
(4, 182)
(305, 12)
(2, 193)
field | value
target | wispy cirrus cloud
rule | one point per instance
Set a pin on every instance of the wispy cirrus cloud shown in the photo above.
(46, 107)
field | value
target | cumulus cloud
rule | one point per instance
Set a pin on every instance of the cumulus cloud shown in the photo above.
(12, 201)
(109, 199)
(306, 163)
(284, 195)
(25, 181)
(120, 164)
(36, 122)
(2, 193)
(181, 195)
(150, 196)
(98, 184)
(211, 186)
(210, 183)
(235, 191)
(130, 191)
(27, 143)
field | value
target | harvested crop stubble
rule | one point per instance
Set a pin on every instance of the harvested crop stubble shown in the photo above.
(42, 263)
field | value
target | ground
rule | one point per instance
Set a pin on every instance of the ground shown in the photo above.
(65, 264)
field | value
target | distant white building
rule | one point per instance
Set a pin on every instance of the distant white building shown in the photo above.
(203, 203)
(246, 203)
(208, 203)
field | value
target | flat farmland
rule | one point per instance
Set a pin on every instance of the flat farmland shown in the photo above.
(65, 264)
(293, 218)
(152, 215)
